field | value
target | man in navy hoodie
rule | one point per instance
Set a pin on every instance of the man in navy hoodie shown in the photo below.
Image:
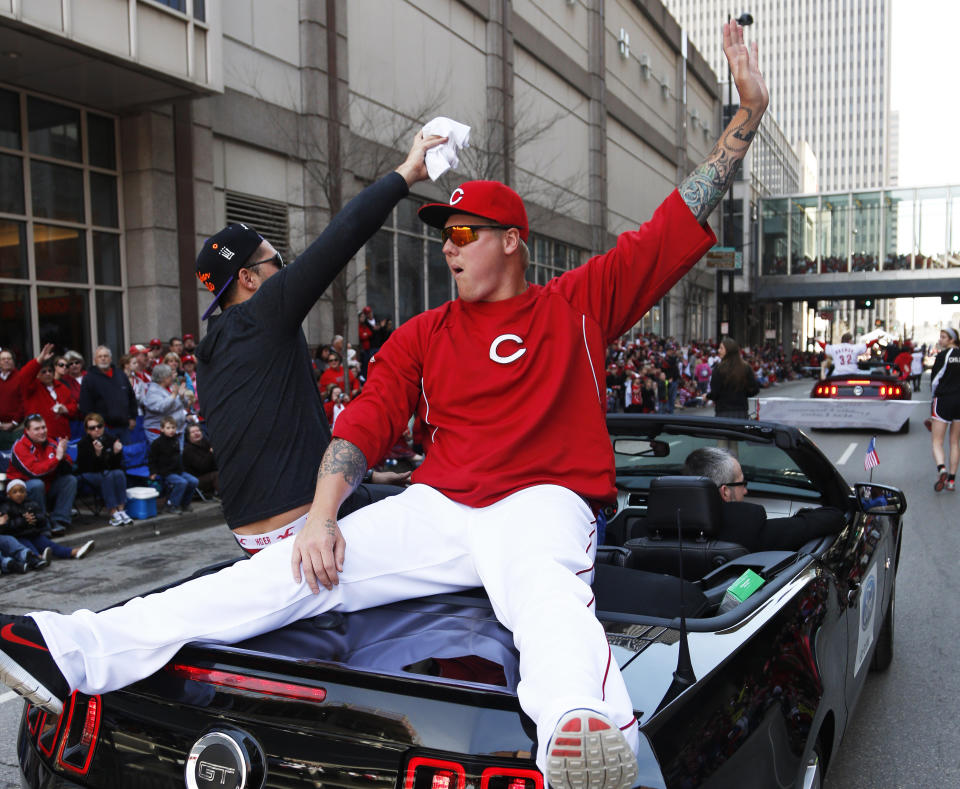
(107, 391)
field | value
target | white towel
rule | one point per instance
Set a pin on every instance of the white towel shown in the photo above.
(443, 157)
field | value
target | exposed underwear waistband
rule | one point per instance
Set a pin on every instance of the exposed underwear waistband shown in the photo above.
(252, 543)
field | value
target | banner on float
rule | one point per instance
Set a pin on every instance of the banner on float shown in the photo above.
(808, 412)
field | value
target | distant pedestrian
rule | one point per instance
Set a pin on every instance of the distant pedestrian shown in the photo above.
(732, 382)
(945, 389)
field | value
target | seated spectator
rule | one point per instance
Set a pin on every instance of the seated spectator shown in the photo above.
(29, 525)
(164, 398)
(100, 463)
(14, 556)
(45, 395)
(46, 468)
(334, 402)
(198, 460)
(107, 391)
(745, 523)
(166, 467)
(337, 373)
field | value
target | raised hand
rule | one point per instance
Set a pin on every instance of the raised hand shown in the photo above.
(744, 67)
(414, 167)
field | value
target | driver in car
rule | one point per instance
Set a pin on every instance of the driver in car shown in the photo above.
(744, 522)
(516, 466)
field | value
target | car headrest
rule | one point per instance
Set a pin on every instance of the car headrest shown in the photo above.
(698, 500)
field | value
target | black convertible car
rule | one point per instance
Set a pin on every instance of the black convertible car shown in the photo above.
(744, 667)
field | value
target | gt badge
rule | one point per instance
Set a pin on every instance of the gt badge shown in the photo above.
(225, 760)
(495, 345)
(858, 390)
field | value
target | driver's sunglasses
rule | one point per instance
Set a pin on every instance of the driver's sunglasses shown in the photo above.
(461, 235)
(276, 260)
(742, 484)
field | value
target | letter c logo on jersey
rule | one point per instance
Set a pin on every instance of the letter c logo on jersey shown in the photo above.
(457, 196)
(495, 354)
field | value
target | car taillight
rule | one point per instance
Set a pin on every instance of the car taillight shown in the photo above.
(49, 731)
(896, 391)
(508, 778)
(267, 687)
(833, 390)
(34, 716)
(426, 773)
(81, 731)
(883, 391)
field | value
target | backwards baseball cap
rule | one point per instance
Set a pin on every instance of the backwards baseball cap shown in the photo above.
(137, 348)
(222, 256)
(488, 199)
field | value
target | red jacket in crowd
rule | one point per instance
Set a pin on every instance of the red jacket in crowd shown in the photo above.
(341, 377)
(11, 401)
(38, 400)
(31, 461)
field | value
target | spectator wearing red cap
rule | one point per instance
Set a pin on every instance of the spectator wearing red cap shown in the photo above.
(189, 343)
(154, 354)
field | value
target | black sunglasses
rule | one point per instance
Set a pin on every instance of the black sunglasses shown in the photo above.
(276, 260)
(736, 484)
(94, 427)
(61, 364)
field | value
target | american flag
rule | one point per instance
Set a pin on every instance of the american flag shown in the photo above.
(872, 459)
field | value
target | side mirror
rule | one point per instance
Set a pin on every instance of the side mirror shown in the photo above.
(880, 499)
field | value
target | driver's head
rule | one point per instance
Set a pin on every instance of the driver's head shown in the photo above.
(721, 467)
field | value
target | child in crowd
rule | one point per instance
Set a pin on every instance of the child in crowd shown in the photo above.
(29, 526)
(166, 468)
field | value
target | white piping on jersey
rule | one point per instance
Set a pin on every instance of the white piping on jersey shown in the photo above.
(583, 322)
(936, 381)
(426, 416)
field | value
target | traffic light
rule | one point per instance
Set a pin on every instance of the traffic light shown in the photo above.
(950, 298)
(865, 304)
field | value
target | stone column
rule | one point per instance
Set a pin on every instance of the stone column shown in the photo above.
(597, 134)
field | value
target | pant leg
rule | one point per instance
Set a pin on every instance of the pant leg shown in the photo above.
(37, 493)
(405, 546)
(42, 541)
(113, 488)
(534, 552)
(63, 491)
(11, 547)
(191, 488)
(178, 486)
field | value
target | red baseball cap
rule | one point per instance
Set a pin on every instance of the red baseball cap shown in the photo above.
(137, 348)
(488, 199)
(156, 343)
(189, 336)
(187, 358)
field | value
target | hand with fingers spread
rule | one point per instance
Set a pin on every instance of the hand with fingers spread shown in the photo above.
(45, 353)
(744, 67)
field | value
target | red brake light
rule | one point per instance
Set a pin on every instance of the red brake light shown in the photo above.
(77, 748)
(49, 733)
(897, 391)
(508, 778)
(833, 390)
(423, 772)
(268, 687)
(883, 391)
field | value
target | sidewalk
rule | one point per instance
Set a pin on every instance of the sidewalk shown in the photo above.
(89, 527)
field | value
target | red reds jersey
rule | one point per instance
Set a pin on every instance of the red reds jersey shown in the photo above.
(511, 393)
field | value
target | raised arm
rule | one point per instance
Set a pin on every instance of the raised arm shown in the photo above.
(705, 186)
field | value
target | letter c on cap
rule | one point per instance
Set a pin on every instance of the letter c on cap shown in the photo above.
(457, 196)
(495, 355)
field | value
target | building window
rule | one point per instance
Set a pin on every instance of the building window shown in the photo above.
(268, 217)
(61, 265)
(549, 258)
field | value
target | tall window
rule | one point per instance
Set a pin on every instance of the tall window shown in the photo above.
(549, 258)
(61, 271)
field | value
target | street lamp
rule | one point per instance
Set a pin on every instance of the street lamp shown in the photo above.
(743, 20)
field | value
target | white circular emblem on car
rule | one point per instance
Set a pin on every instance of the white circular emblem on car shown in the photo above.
(495, 354)
(858, 390)
(457, 196)
(216, 760)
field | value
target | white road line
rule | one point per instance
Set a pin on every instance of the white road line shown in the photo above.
(9, 697)
(847, 453)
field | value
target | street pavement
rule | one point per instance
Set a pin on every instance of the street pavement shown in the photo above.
(903, 732)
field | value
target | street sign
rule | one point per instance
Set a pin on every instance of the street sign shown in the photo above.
(724, 327)
(721, 258)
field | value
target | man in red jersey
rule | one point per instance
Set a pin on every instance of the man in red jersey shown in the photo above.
(506, 381)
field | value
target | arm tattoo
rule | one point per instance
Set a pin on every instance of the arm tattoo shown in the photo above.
(703, 189)
(342, 457)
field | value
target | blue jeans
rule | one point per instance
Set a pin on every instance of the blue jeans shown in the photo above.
(11, 550)
(112, 485)
(41, 541)
(63, 490)
(672, 387)
(182, 487)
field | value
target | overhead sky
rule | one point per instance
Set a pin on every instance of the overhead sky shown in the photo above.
(924, 80)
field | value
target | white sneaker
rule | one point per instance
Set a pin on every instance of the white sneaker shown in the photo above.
(84, 549)
(123, 514)
(47, 554)
(587, 751)
(117, 519)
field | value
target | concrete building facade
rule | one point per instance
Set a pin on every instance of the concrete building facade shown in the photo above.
(130, 130)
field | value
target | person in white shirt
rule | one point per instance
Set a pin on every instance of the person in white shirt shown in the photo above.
(845, 354)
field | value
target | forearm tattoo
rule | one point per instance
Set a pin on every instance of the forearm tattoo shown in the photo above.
(703, 189)
(342, 457)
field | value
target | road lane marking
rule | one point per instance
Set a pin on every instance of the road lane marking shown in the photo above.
(847, 453)
(9, 697)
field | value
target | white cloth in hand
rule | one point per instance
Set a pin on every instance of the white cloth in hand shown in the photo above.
(443, 157)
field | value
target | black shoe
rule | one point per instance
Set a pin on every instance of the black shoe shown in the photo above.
(26, 666)
(58, 529)
(35, 562)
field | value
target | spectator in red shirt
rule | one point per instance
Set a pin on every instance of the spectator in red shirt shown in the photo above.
(337, 374)
(45, 468)
(72, 375)
(11, 401)
(45, 395)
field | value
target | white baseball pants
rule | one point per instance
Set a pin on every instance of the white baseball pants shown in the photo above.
(532, 551)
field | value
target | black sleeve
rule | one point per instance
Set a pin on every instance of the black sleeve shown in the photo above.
(938, 363)
(85, 403)
(114, 459)
(287, 297)
(754, 386)
(87, 459)
(789, 534)
(131, 397)
(153, 458)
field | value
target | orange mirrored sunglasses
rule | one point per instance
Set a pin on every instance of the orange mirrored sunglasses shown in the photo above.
(461, 235)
